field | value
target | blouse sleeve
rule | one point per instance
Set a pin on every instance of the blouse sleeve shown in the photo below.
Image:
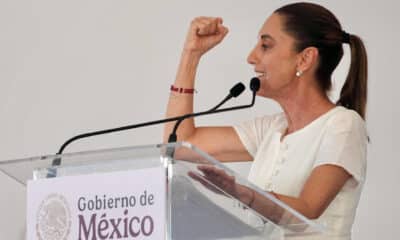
(345, 145)
(251, 132)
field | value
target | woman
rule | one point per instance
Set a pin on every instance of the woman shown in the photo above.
(313, 155)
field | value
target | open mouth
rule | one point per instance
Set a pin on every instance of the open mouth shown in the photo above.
(261, 75)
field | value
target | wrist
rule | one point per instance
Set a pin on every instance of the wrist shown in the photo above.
(176, 89)
(188, 53)
(246, 196)
(253, 197)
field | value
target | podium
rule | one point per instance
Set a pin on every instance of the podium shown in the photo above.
(153, 196)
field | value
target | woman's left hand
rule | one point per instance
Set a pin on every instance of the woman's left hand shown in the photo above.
(220, 179)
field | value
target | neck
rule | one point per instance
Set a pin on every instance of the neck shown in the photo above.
(304, 106)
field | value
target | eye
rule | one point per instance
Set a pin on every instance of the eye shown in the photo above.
(264, 46)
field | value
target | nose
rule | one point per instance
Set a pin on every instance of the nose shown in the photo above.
(252, 58)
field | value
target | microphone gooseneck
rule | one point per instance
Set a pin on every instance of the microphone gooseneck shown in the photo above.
(234, 92)
(238, 89)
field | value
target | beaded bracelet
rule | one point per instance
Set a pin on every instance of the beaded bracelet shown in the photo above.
(182, 90)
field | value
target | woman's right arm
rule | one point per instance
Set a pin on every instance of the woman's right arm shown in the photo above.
(221, 142)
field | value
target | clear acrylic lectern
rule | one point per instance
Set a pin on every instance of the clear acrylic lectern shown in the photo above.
(196, 206)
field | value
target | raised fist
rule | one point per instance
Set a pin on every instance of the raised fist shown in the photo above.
(204, 33)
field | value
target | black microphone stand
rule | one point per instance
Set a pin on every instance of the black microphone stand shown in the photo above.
(57, 160)
(234, 92)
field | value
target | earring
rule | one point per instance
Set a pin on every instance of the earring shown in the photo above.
(299, 73)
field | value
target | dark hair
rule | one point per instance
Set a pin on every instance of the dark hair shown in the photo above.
(313, 25)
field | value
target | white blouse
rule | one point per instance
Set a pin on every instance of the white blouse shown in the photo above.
(337, 137)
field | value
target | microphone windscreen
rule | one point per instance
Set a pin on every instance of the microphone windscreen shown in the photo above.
(237, 89)
(254, 84)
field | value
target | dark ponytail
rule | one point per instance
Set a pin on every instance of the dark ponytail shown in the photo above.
(354, 91)
(313, 25)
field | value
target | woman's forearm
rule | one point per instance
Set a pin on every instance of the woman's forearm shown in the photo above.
(274, 213)
(204, 34)
(180, 103)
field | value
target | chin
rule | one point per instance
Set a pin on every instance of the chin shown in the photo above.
(263, 93)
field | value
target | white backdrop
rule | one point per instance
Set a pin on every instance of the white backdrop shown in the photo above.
(68, 67)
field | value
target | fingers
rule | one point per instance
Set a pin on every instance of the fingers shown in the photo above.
(211, 171)
(208, 26)
(204, 181)
(204, 34)
(205, 26)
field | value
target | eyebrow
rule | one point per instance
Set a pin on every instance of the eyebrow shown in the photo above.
(266, 36)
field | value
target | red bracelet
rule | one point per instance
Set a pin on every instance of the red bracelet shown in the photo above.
(182, 90)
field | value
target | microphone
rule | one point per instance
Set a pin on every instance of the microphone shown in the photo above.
(254, 87)
(234, 92)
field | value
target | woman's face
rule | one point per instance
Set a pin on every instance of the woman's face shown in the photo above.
(274, 59)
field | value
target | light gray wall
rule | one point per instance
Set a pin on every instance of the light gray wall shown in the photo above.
(68, 67)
